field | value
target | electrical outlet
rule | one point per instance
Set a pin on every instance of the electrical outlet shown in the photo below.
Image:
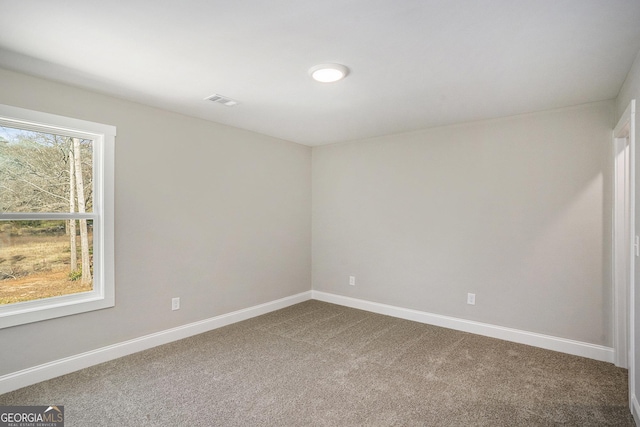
(175, 303)
(471, 299)
(352, 280)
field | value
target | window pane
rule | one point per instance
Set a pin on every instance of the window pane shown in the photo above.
(36, 259)
(42, 172)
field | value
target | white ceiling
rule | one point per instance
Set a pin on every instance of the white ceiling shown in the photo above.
(414, 63)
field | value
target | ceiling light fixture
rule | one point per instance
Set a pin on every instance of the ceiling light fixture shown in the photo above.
(328, 73)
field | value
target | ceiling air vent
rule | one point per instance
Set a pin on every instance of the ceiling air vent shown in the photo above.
(228, 102)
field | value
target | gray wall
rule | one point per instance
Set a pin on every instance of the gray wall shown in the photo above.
(515, 210)
(631, 90)
(217, 216)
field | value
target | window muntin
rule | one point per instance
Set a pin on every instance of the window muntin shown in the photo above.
(41, 196)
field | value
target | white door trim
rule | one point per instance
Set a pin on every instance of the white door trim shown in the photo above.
(621, 250)
(624, 312)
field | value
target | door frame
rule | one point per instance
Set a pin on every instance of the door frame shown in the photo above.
(625, 244)
(622, 250)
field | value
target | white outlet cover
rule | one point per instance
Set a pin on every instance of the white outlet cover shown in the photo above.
(471, 299)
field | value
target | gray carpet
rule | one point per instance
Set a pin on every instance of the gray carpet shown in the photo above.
(325, 365)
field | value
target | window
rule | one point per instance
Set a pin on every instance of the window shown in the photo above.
(56, 216)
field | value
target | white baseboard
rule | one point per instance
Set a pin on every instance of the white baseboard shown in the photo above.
(33, 375)
(635, 409)
(548, 342)
(36, 374)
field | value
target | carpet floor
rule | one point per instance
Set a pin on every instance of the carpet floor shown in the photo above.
(321, 364)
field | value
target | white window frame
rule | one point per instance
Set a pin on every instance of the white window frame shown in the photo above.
(103, 293)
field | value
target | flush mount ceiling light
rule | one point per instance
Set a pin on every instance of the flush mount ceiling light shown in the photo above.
(328, 73)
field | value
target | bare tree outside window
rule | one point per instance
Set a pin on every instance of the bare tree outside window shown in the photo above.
(44, 173)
